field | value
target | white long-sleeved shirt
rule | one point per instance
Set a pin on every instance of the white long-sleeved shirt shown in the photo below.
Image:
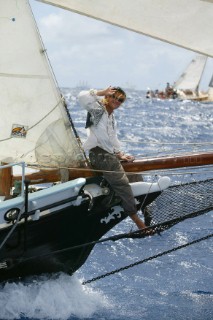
(104, 133)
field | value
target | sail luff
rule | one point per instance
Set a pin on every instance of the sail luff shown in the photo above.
(76, 142)
(167, 20)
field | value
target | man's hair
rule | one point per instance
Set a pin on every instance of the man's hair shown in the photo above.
(118, 89)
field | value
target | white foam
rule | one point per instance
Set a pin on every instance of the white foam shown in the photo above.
(50, 298)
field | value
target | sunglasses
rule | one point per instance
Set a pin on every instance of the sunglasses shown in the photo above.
(121, 100)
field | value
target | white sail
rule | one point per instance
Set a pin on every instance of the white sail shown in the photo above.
(190, 79)
(186, 23)
(35, 127)
(210, 90)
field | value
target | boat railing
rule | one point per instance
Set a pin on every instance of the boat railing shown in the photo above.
(4, 177)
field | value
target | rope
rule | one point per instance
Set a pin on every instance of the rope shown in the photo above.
(75, 131)
(36, 166)
(142, 233)
(147, 259)
(35, 124)
(168, 143)
(138, 234)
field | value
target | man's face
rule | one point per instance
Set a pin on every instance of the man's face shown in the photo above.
(115, 100)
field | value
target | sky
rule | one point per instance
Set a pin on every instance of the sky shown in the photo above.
(84, 51)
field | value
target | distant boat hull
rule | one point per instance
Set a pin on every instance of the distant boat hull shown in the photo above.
(193, 97)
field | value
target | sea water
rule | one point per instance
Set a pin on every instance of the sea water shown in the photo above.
(177, 285)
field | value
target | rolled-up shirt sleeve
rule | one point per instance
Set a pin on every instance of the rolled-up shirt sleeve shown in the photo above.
(88, 99)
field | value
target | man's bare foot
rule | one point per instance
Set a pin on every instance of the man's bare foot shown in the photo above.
(139, 223)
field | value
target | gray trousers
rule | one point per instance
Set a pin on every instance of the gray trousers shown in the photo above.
(118, 180)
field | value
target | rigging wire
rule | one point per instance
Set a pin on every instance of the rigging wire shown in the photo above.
(169, 143)
(141, 233)
(147, 259)
(148, 172)
(75, 133)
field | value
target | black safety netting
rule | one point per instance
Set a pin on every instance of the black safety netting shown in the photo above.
(180, 202)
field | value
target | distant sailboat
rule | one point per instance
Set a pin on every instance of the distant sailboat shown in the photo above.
(210, 90)
(55, 229)
(187, 86)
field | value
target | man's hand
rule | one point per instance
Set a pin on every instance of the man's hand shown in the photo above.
(106, 92)
(125, 157)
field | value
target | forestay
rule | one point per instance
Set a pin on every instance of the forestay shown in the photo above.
(185, 23)
(34, 122)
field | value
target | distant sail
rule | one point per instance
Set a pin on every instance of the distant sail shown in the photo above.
(34, 123)
(185, 23)
(191, 77)
(211, 82)
(210, 90)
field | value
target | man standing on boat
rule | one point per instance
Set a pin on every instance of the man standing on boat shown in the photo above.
(103, 145)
